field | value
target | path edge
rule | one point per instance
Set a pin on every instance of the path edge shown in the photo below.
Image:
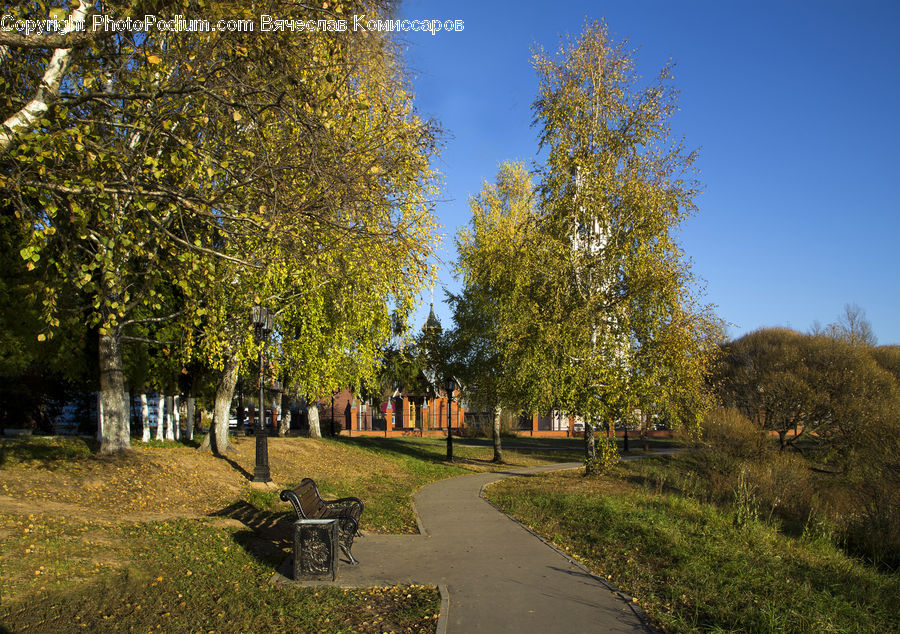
(445, 609)
(638, 611)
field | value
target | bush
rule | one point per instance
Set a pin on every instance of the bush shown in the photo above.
(605, 457)
(785, 486)
(875, 533)
(729, 431)
(873, 530)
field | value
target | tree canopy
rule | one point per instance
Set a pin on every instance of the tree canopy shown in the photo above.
(589, 302)
(164, 178)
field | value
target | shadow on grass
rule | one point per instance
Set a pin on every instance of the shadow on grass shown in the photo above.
(395, 447)
(435, 452)
(268, 537)
(235, 466)
(47, 451)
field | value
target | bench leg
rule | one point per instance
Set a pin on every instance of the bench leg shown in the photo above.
(350, 556)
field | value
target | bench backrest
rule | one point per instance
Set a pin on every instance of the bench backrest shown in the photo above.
(308, 498)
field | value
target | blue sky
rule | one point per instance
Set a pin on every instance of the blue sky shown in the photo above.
(793, 105)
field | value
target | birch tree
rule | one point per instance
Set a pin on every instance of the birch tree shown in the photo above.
(194, 162)
(145, 419)
(352, 232)
(490, 251)
(608, 317)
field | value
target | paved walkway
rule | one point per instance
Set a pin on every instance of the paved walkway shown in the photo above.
(499, 576)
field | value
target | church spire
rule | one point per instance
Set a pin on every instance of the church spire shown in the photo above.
(432, 324)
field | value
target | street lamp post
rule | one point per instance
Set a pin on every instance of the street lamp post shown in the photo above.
(451, 383)
(263, 321)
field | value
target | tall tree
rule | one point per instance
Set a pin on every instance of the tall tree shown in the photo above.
(616, 322)
(354, 230)
(490, 252)
(198, 161)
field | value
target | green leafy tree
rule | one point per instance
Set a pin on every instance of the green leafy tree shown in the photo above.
(490, 252)
(200, 162)
(611, 320)
(354, 231)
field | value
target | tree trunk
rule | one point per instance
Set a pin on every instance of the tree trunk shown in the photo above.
(217, 440)
(176, 414)
(495, 432)
(312, 412)
(285, 426)
(116, 432)
(99, 417)
(145, 418)
(190, 408)
(243, 426)
(170, 430)
(160, 415)
(590, 449)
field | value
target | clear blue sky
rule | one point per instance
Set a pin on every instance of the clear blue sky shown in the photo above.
(795, 107)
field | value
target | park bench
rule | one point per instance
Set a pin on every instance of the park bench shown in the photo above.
(309, 505)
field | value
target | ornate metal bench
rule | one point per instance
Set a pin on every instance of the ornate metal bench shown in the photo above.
(309, 505)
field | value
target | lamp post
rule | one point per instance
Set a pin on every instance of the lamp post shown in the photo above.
(451, 383)
(263, 321)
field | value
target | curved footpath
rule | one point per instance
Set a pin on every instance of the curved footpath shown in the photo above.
(494, 574)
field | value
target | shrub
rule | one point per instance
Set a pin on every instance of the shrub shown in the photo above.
(785, 485)
(729, 431)
(605, 458)
(875, 533)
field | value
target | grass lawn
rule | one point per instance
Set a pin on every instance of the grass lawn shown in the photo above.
(692, 569)
(170, 539)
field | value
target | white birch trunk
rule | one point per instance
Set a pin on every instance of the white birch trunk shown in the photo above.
(189, 413)
(312, 412)
(170, 431)
(176, 404)
(114, 425)
(285, 425)
(28, 116)
(160, 415)
(145, 418)
(217, 439)
(495, 434)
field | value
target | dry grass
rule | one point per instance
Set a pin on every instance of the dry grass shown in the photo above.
(168, 535)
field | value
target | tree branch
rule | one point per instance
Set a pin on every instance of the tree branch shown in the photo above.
(47, 91)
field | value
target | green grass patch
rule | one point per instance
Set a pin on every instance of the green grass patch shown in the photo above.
(693, 569)
(477, 453)
(44, 450)
(183, 576)
(75, 556)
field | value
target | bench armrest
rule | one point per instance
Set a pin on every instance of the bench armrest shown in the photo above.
(351, 505)
(289, 496)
